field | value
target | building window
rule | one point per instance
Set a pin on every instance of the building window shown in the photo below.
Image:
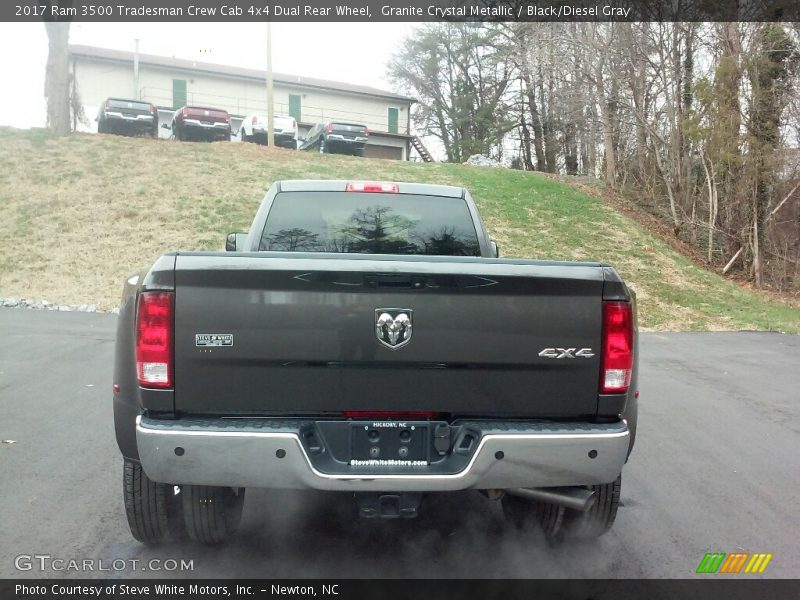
(178, 93)
(393, 118)
(294, 106)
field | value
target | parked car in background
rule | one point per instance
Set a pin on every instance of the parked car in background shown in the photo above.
(337, 138)
(198, 123)
(254, 129)
(127, 117)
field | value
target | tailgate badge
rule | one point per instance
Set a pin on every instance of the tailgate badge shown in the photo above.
(204, 340)
(393, 326)
(567, 353)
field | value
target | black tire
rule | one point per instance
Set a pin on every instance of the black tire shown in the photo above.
(584, 525)
(359, 153)
(101, 127)
(244, 136)
(524, 514)
(211, 514)
(152, 509)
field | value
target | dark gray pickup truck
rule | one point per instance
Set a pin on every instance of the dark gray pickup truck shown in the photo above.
(366, 338)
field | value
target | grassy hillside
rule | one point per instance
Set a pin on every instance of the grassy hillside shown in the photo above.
(78, 215)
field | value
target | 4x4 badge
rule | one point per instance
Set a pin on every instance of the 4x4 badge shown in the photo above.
(566, 353)
(393, 326)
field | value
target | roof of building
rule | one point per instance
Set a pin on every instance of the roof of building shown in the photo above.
(232, 71)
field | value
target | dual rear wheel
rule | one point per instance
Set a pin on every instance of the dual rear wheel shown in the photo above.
(159, 512)
(563, 524)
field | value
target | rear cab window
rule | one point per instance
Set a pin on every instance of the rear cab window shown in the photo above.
(369, 223)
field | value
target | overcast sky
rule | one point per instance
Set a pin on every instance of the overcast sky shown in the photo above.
(350, 52)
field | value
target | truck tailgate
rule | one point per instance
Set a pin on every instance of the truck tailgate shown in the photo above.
(289, 333)
(128, 107)
(207, 114)
(348, 129)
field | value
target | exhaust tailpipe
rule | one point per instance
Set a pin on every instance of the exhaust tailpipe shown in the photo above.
(579, 499)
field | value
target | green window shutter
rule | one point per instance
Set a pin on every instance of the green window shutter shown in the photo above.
(294, 106)
(393, 117)
(178, 93)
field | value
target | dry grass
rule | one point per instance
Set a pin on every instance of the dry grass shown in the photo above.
(89, 210)
(81, 214)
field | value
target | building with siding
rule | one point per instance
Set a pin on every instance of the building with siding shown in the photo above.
(169, 83)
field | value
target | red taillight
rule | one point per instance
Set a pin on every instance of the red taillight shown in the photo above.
(364, 186)
(254, 120)
(154, 340)
(294, 124)
(617, 363)
(108, 104)
(389, 414)
(185, 113)
(366, 132)
(152, 109)
(329, 128)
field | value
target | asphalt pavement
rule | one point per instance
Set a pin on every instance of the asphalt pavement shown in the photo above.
(715, 469)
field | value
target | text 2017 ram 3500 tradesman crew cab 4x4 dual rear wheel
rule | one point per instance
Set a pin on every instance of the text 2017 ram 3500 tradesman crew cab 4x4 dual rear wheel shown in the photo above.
(366, 338)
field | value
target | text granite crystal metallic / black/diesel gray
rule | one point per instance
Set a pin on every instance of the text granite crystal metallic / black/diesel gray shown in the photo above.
(365, 337)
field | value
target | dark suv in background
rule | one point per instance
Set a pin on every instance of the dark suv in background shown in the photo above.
(127, 117)
(337, 138)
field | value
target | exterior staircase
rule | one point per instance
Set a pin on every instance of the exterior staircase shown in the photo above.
(421, 149)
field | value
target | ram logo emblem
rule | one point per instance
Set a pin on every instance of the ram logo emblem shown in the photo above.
(393, 326)
(566, 353)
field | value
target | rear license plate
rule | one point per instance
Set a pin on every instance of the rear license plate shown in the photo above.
(390, 443)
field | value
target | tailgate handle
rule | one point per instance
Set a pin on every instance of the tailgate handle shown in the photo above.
(394, 281)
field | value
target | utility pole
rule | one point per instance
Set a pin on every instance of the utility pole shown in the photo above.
(270, 103)
(136, 69)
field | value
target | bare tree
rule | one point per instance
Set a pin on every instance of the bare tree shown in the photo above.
(57, 75)
(699, 123)
(461, 76)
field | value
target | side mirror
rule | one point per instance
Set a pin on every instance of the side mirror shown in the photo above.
(495, 248)
(166, 126)
(235, 242)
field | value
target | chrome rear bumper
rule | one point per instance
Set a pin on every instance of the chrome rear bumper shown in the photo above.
(270, 454)
(124, 117)
(335, 137)
(211, 125)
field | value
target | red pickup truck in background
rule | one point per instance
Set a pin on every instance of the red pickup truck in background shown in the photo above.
(198, 123)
